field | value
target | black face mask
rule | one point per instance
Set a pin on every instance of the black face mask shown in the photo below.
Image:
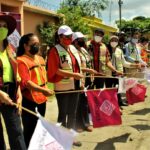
(81, 43)
(34, 49)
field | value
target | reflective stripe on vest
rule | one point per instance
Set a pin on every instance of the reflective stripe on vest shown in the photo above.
(37, 74)
(102, 58)
(67, 83)
(132, 51)
(118, 63)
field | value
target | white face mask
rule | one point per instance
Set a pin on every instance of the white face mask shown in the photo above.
(97, 38)
(134, 41)
(113, 44)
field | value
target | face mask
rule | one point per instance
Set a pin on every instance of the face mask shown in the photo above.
(113, 44)
(97, 38)
(34, 49)
(3, 33)
(134, 41)
(67, 42)
(81, 43)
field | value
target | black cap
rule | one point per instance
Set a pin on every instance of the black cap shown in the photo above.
(99, 31)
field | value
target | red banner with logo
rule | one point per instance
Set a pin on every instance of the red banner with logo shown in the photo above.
(104, 107)
(136, 94)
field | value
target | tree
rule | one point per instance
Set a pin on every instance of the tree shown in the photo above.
(139, 23)
(75, 10)
(74, 19)
(47, 32)
(88, 7)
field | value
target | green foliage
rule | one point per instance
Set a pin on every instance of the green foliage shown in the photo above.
(138, 23)
(47, 32)
(106, 39)
(92, 7)
(88, 7)
(74, 19)
(75, 10)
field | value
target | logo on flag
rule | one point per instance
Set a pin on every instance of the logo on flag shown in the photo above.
(104, 108)
(136, 94)
(137, 90)
(53, 146)
(107, 107)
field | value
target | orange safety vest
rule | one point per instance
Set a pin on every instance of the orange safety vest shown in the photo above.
(37, 74)
(144, 55)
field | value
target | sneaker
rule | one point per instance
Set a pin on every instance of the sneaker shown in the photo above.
(89, 129)
(77, 143)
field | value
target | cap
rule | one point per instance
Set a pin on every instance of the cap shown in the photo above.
(77, 35)
(10, 20)
(65, 30)
(99, 31)
(114, 37)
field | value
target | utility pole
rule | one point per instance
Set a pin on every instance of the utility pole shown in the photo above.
(120, 2)
(110, 9)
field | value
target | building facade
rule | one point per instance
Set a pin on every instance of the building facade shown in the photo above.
(31, 13)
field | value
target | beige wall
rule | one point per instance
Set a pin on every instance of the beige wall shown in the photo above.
(32, 19)
(30, 16)
(12, 6)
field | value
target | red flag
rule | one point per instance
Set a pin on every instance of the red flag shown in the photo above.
(104, 107)
(136, 94)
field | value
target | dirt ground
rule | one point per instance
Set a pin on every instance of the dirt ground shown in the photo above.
(133, 134)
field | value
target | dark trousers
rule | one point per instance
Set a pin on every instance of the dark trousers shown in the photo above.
(83, 112)
(67, 109)
(29, 121)
(2, 142)
(13, 126)
(99, 82)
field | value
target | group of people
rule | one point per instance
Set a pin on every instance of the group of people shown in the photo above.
(71, 66)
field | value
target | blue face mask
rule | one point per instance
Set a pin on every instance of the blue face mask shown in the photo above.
(3, 33)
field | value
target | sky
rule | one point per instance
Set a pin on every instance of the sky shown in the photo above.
(130, 9)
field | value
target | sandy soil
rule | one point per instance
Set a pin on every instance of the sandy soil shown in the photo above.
(133, 134)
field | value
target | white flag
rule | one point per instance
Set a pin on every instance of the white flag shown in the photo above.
(48, 136)
(126, 83)
(130, 83)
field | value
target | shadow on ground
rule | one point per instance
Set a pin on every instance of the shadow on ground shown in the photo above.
(108, 144)
(141, 112)
(141, 127)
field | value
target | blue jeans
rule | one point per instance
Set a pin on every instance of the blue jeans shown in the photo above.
(13, 126)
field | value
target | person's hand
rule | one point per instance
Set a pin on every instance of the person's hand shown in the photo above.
(48, 92)
(4, 98)
(92, 71)
(78, 76)
(119, 73)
